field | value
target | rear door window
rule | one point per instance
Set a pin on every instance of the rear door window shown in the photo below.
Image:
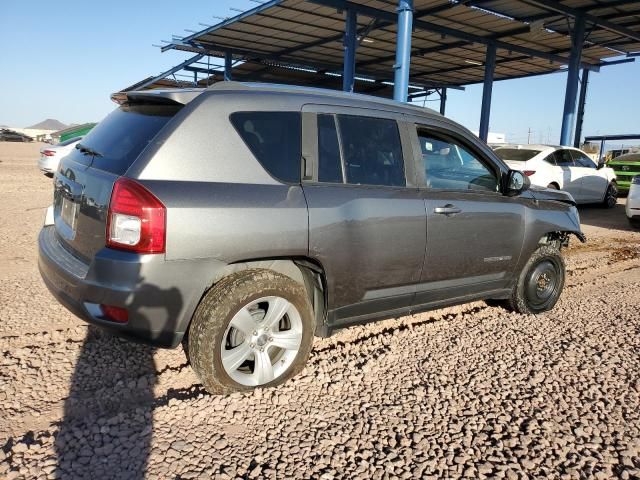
(115, 143)
(274, 138)
(564, 158)
(329, 163)
(371, 151)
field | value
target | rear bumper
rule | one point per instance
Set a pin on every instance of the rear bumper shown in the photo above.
(159, 295)
(48, 164)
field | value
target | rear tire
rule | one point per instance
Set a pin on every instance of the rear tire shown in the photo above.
(611, 196)
(540, 283)
(253, 329)
(634, 222)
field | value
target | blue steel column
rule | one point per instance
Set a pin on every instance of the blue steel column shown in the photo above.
(443, 100)
(584, 82)
(485, 112)
(350, 45)
(227, 66)
(568, 115)
(403, 50)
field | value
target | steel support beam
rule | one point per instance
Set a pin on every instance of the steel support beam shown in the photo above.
(569, 112)
(584, 82)
(350, 45)
(171, 71)
(228, 65)
(489, 69)
(443, 100)
(403, 50)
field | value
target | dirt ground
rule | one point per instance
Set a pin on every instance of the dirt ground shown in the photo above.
(472, 391)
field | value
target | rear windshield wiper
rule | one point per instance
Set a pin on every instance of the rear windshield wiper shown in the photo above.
(88, 150)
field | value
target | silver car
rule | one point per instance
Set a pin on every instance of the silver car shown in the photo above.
(243, 220)
(50, 155)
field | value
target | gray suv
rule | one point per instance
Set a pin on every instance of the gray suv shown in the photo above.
(244, 219)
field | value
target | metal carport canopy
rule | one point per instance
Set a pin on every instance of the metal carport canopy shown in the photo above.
(449, 39)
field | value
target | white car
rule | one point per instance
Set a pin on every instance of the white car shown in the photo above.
(563, 168)
(50, 155)
(632, 209)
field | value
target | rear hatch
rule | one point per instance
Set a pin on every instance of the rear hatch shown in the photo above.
(86, 176)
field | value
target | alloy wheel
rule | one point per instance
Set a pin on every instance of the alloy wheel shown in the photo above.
(262, 341)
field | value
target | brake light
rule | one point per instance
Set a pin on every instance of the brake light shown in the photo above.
(115, 314)
(48, 153)
(136, 220)
(528, 173)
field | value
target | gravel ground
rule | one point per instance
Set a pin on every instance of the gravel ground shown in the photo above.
(470, 391)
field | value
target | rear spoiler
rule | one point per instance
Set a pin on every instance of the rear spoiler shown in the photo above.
(161, 97)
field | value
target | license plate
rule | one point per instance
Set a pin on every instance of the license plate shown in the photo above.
(68, 213)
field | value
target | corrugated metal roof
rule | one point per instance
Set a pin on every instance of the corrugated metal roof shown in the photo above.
(448, 43)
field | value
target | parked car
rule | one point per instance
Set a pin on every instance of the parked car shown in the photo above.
(563, 168)
(632, 208)
(626, 167)
(50, 155)
(244, 219)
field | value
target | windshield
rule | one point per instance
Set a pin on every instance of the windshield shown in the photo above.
(115, 143)
(516, 154)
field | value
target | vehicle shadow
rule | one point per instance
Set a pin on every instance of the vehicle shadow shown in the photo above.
(605, 218)
(107, 426)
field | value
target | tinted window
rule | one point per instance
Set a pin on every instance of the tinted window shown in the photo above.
(371, 150)
(122, 135)
(581, 160)
(274, 139)
(563, 158)
(329, 166)
(551, 158)
(449, 165)
(516, 154)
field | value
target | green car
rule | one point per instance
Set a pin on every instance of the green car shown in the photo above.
(626, 167)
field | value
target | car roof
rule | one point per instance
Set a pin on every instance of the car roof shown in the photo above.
(635, 156)
(186, 95)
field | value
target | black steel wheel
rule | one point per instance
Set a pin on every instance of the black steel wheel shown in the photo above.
(540, 283)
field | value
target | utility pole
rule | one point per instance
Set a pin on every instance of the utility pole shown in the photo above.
(529, 136)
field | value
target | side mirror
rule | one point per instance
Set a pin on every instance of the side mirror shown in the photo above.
(602, 163)
(515, 183)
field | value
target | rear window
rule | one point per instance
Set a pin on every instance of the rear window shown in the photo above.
(516, 154)
(120, 138)
(274, 139)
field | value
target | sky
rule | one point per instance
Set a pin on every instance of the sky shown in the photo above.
(62, 60)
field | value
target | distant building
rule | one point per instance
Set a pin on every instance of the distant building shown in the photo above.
(494, 138)
(71, 132)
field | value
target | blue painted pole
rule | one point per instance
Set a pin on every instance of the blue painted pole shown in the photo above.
(487, 89)
(403, 50)
(584, 82)
(569, 112)
(227, 66)
(350, 45)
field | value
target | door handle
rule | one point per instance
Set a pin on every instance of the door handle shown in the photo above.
(448, 209)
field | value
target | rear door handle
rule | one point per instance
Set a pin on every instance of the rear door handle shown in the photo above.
(448, 209)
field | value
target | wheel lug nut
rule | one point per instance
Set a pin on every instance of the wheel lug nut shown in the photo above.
(271, 339)
(262, 349)
(252, 345)
(255, 332)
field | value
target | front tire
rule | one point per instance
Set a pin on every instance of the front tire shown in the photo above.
(253, 329)
(611, 196)
(540, 283)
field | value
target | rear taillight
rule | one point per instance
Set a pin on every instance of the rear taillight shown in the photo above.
(136, 220)
(48, 153)
(528, 173)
